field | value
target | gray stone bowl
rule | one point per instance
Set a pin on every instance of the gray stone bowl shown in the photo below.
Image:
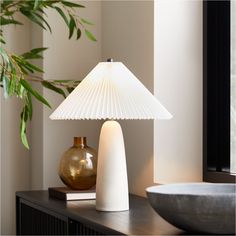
(196, 207)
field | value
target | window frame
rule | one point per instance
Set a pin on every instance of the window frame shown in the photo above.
(216, 91)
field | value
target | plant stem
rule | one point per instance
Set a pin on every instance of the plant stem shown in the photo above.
(3, 11)
(39, 79)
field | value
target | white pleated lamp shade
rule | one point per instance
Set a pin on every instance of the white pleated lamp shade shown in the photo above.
(110, 91)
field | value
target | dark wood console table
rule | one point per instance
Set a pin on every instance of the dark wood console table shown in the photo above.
(38, 214)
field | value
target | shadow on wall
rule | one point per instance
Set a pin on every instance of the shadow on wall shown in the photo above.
(138, 139)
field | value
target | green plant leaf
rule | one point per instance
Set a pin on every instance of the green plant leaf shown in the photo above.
(2, 40)
(5, 3)
(5, 81)
(4, 55)
(72, 4)
(72, 26)
(36, 4)
(43, 20)
(5, 21)
(78, 33)
(62, 15)
(28, 87)
(38, 50)
(31, 56)
(23, 121)
(49, 3)
(16, 67)
(32, 17)
(23, 136)
(26, 113)
(50, 86)
(22, 63)
(86, 21)
(24, 71)
(70, 89)
(32, 68)
(30, 105)
(4, 66)
(63, 81)
(2, 73)
(34, 53)
(13, 83)
(9, 13)
(20, 90)
(24, 68)
(90, 35)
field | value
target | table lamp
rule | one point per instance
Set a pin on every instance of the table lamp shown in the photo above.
(111, 92)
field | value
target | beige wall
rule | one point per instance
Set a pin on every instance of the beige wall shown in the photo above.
(65, 59)
(178, 84)
(37, 169)
(121, 37)
(127, 36)
(15, 160)
(125, 32)
(36, 126)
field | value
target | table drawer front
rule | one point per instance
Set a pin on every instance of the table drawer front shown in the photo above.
(36, 222)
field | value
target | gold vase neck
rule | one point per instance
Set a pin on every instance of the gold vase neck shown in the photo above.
(80, 142)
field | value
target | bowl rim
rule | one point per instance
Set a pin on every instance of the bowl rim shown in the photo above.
(165, 189)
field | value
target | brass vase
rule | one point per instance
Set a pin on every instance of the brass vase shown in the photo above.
(78, 165)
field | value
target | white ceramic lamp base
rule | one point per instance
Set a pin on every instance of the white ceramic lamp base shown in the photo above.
(112, 185)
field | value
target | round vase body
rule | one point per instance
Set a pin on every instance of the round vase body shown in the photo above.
(78, 166)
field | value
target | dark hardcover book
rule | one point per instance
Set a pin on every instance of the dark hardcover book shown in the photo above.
(68, 194)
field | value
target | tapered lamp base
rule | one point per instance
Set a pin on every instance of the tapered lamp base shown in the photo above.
(112, 184)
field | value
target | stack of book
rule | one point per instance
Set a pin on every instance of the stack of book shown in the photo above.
(68, 194)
